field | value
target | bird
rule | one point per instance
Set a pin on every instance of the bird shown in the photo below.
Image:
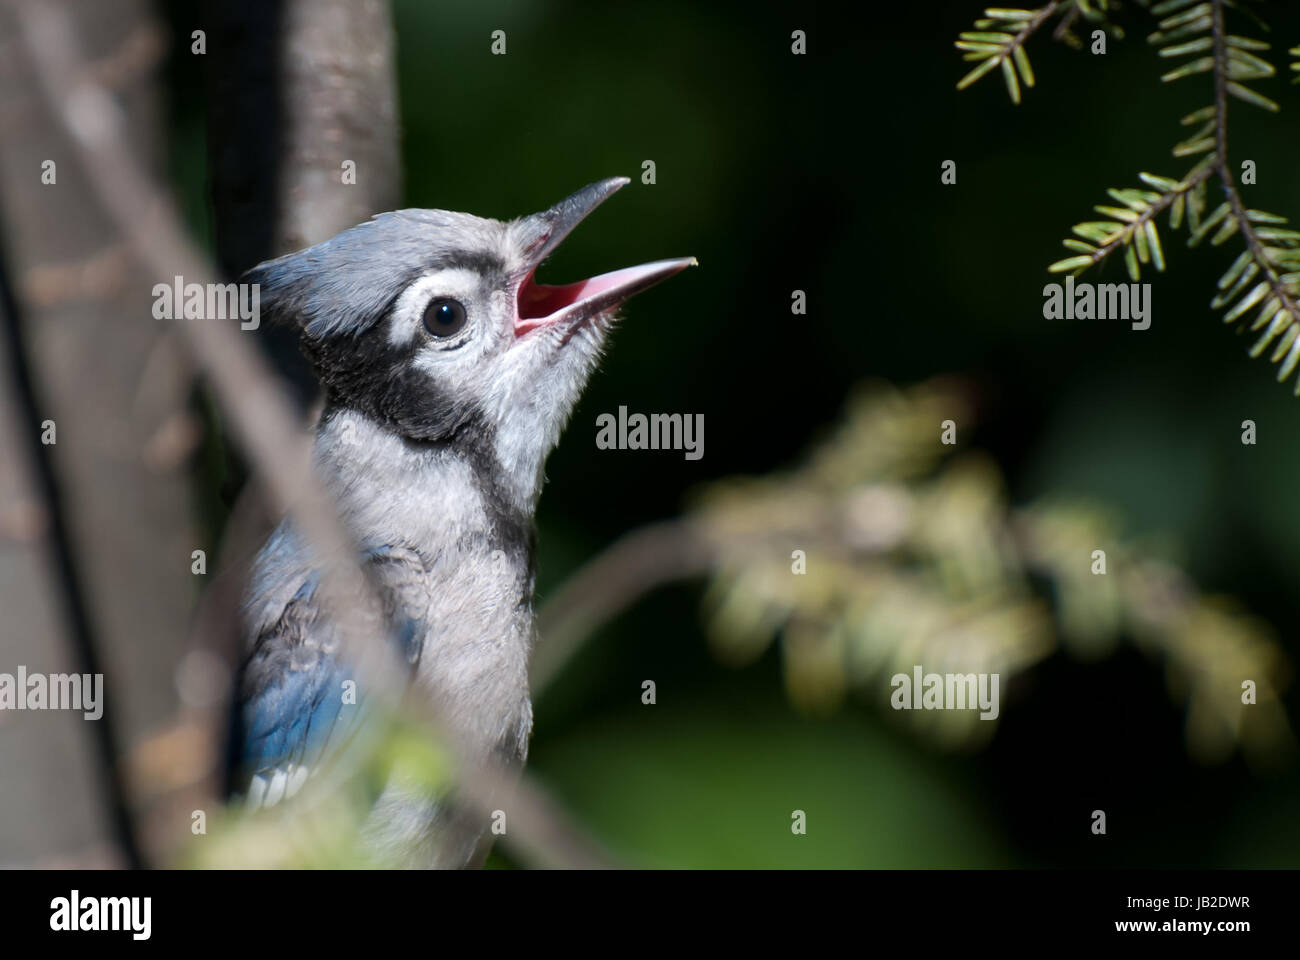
(448, 374)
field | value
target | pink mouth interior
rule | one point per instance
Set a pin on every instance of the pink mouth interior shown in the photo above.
(537, 302)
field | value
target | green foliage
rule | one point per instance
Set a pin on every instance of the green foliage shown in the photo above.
(915, 557)
(1194, 28)
(1264, 279)
(993, 44)
(1133, 225)
(999, 38)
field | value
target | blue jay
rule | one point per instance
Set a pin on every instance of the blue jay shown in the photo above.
(448, 375)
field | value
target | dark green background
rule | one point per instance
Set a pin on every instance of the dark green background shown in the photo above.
(822, 173)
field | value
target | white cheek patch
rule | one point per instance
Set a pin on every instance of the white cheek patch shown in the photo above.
(408, 313)
(474, 369)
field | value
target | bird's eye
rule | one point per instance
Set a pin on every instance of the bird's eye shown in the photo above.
(444, 317)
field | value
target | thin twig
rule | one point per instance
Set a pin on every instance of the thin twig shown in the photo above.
(1029, 29)
(1066, 22)
(610, 583)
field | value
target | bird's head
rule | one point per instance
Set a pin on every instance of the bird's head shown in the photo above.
(431, 323)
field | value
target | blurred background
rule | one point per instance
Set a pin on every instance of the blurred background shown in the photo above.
(818, 173)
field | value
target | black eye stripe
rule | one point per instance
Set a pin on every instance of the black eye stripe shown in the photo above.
(444, 317)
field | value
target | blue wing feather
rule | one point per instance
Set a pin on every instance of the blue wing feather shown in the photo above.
(293, 716)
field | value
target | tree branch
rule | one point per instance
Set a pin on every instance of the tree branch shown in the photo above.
(85, 647)
(610, 583)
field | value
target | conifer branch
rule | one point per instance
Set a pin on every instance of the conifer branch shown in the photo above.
(1134, 226)
(1277, 292)
(993, 46)
(1265, 277)
(999, 38)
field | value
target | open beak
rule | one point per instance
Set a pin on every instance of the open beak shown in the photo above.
(541, 305)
